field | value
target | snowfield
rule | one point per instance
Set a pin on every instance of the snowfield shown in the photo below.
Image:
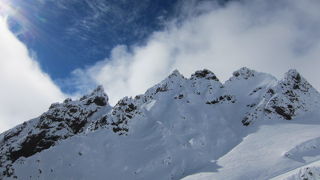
(251, 127)
(262, 154)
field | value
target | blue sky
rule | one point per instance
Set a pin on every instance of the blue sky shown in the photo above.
(66, 35)
(53, 49)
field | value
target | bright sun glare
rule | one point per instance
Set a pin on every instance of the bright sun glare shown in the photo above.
(9, 10)
(5, 9)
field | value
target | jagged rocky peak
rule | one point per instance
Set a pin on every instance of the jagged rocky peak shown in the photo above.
(174, 80)
(294, 80)
(61, 121)
(74, 114)
(175, 72)
(290, 97)
(98, 96)
(206, 74)
(175, 75)
(117, 119)
(244, 73)
(293, 96)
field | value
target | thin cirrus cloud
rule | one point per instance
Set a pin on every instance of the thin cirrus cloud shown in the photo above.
(25, 91)
(269, 36)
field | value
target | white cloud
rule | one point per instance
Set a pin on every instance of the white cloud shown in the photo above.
(266, 35)
(25, 91)
(269, 36)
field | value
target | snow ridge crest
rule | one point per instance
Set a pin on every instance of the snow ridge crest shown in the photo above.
(251, 96)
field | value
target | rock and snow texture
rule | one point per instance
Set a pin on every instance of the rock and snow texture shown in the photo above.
(60, 122)
(307, 172)
(253, 126)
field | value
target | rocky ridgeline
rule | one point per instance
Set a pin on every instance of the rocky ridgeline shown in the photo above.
(203, 84)
(284, 99)
(117, 119)
(61, 121)
(289, 98)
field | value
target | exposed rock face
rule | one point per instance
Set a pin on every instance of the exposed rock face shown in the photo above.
(244, 73)
(118, 118)
(290, 97)
(61, 121)
(306, 173)
(222, 99)
(207, 74)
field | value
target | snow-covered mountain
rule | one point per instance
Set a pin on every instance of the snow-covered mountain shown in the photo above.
(253, 126)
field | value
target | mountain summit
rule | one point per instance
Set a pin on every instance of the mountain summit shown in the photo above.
(197, 128)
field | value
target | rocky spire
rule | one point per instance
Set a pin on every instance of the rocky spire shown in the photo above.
(293, 80)
(244, 73)
(206, 74)
(98, 96)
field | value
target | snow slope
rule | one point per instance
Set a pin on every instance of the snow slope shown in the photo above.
(262, 155)
(310, 171)
(251, 127)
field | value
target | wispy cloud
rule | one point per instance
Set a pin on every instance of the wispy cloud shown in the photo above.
(25, 91)
(269, 36)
